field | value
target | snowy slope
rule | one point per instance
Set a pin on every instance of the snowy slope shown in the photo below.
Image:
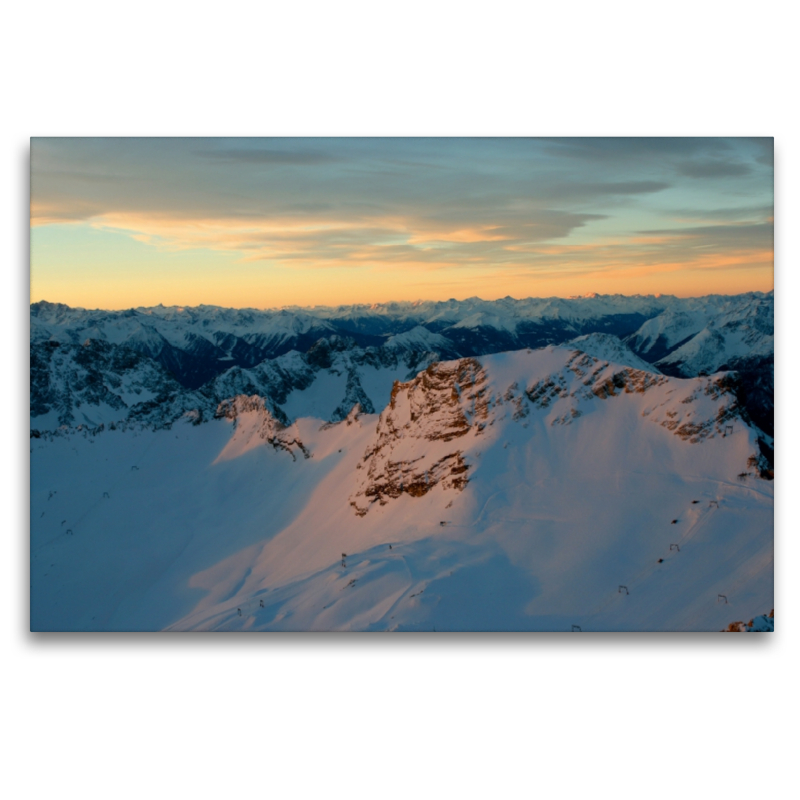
(418, 340)
(609, 348)
(557, 475)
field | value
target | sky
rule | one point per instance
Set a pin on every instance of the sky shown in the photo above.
(263, 223)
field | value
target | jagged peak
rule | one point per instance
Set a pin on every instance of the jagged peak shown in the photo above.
(612, 348)
(253, 420)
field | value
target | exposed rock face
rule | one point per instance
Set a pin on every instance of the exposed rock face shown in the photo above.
(586, 378)
(594, 379)
(425, 433)
(261, 423)
(355, 396)
(686, 416)
(443, 403)
(627, 380)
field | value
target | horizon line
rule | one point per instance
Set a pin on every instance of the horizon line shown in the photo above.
(587, 296)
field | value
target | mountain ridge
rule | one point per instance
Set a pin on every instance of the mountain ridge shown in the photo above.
(214, 353)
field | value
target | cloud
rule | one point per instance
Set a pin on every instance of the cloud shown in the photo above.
(761, 213)
(260, 155)
(631, 187)
(337, 240)
(713, 168)
(755, 236)
(695, 158)
(633, 149)
(478, 181)
(595, 190)
(765, 146)
(398, 246)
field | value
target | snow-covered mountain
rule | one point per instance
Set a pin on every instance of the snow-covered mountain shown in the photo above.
(546, 489)
(610, 348)
(198, 343)
(708, 334)
(99, 384)
(93, 383)
(195, 344)
(329, 379)
(353, 354)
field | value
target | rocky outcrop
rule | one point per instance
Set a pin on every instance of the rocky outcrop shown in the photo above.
(444, 403)
(354, 396)
(261, 422)
(703, 408)
(693, 418)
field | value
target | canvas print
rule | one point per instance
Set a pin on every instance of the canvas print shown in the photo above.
(401, 384)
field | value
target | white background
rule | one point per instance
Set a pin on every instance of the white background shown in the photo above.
(403, 716)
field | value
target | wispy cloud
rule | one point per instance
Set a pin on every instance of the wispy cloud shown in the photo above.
(759, 213)
(261, 155)
(713, 168)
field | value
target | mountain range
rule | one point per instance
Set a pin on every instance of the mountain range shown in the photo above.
(208, 353)
(456, 471)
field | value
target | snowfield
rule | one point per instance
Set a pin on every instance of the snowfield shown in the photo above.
(545, 490)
